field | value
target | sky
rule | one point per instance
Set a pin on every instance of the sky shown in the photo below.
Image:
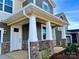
(71, 10)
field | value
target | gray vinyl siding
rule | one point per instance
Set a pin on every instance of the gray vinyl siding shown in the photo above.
(6, 35)
(58, 37)
(39, 3)
(27, 2)
(39, 31)
(25, 30)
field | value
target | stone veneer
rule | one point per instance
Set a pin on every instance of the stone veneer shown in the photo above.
(46, 45)
(63, 42)
(34, 50)
(5, 47)
(25, 45)
(37, 47)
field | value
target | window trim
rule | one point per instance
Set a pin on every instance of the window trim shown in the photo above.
(45, 4)
(42, 25)
(3, 8)
(2, 31)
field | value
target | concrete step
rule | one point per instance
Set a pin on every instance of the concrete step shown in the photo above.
(18, 55)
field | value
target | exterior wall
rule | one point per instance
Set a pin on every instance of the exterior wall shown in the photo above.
(39, 31)
(78, 37)
(58, 37)
(17, 5)
(25, 30)
(25, 33)
(27, 2)
(6, 38)
(39, 3)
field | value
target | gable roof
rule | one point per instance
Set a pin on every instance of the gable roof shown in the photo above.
(63, 17)
(52, 3)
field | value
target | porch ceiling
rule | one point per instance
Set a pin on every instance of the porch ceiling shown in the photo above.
(33, 10)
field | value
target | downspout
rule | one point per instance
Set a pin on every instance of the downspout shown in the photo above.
(28, 39)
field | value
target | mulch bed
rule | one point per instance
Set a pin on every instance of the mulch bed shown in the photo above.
(62, 55)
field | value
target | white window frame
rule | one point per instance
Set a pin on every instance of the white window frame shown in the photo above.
(2, 31)
(3, 9)
(42, 25)
(45, 4)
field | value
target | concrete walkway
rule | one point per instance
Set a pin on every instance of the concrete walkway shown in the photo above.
(15, 55)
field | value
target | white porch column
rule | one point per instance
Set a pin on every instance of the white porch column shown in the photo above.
(64, 39)
(54, 37)
(33, 44)
(32, 29)
(49, 37)
(63, 32)
(48, 31)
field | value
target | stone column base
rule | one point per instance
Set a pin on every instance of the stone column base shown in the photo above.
(63, 43)
(51, 46)
(34, 50)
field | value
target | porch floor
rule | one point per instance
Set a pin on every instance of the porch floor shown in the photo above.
(15, 55)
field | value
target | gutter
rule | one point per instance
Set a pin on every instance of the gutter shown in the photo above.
(28, 39)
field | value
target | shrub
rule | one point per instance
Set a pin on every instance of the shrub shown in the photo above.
(46, 54)
(72, 49)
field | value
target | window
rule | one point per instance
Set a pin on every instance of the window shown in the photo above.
(1, 35)
(45, 6)
(6, 5)
(16, 30)
(61, 17)
(43, 29)
(1, 4)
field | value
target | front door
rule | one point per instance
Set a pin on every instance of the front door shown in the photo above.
(16, 38)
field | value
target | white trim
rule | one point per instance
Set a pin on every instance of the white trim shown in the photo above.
(32, 29)
(42, 25)
(2, 31)
(49, 31)
(46, 5)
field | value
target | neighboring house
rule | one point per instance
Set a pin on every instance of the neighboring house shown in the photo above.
(72, 36)
(29, 25)
(59, 31)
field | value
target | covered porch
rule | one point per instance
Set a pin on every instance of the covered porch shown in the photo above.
(33, 29)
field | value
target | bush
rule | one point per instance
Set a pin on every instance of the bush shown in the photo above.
(45, 55)
(72, 49)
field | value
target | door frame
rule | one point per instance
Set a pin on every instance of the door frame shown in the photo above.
(2, 31)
